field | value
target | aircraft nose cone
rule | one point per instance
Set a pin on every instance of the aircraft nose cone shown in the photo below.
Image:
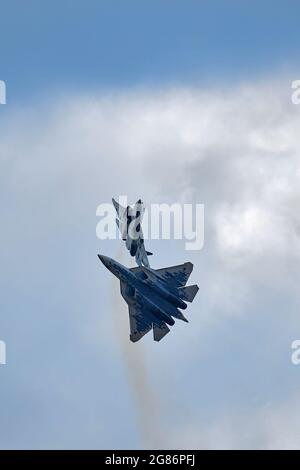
(104, 260)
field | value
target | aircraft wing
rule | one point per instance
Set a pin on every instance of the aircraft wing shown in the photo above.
(140, 319)
(120, 210)
(122, 219)
(176, 276)
(139, 325)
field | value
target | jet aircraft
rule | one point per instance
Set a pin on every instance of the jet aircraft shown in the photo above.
(129, 222)
(154, 297)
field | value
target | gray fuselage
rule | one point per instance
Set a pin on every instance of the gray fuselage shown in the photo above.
(160, 300)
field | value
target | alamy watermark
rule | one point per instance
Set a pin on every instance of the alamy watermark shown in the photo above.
(2, 353)
(295, 356)
(2, 92)
(159, 222)
(296, 93)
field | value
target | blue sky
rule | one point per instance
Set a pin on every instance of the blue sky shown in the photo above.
(63, 44)
(100, 95)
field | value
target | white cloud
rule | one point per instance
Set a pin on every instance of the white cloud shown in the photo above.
(271, 427)
(235, 150)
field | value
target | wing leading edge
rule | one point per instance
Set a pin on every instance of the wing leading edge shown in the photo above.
(175, 276)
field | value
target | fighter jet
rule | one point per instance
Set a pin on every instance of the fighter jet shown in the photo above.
(129, 222)
(154, 297)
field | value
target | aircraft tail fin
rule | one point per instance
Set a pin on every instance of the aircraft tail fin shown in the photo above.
(159, 331)
(188, 293)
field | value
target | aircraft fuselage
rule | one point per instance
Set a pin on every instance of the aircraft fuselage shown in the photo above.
(159, 300)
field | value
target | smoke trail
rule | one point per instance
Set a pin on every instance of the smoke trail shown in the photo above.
(148, 409)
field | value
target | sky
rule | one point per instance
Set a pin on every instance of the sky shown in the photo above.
(185, 102)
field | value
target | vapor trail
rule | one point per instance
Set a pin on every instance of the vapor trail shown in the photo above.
(148, 408)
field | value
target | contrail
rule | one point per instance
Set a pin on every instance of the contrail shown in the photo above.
(148, 408)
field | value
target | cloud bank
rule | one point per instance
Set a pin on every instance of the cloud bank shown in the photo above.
(235, 150)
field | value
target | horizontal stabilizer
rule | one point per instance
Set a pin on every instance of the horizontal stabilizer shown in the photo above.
(149, 253)
(159, 331)
(188, 293)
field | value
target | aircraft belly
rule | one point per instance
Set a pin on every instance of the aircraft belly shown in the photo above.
(158, 312)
